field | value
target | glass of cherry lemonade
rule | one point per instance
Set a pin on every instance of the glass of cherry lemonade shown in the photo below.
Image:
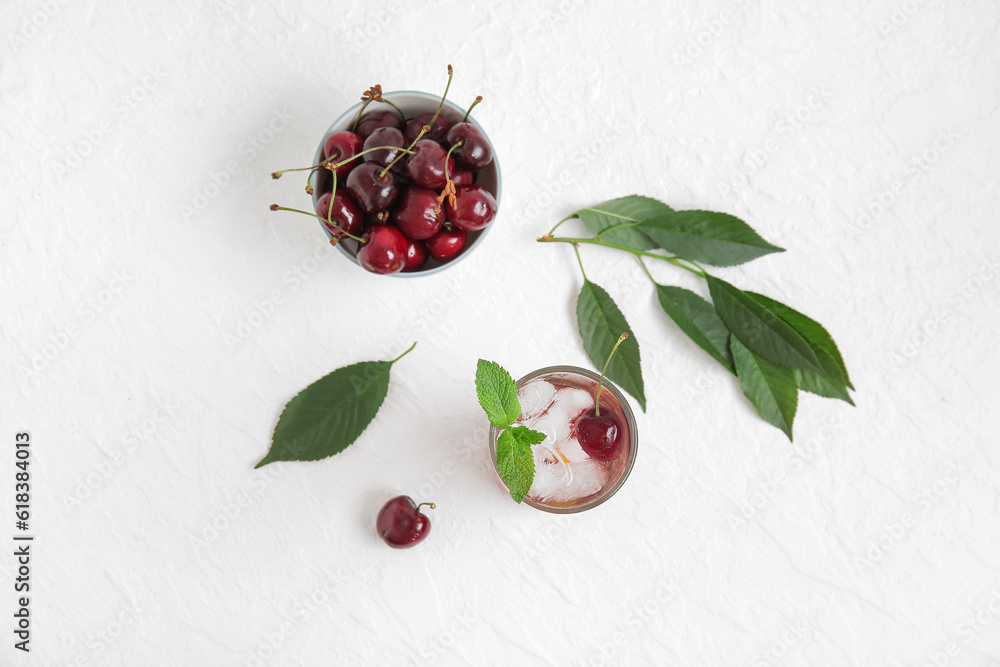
(567, 478)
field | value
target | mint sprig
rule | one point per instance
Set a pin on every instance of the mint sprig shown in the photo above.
(498, 395)
(772, 349)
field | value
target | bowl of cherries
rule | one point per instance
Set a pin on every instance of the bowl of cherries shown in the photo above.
(407, 185)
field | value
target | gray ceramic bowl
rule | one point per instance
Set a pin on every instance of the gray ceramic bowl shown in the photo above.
(412, 103)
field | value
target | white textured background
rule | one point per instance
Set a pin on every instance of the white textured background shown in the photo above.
(156, 317)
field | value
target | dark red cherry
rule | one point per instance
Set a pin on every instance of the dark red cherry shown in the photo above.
(474, 208)
(438, 130)
(384, 250)
(446, 244)
(341, 146)
(425, 167)
(601, 437)
(400, 523)
(461, 177)
(384, 136)
(345, 217)
(375, 119)
(419, 214)
(475, 151)
(416, 256)
(372, 191)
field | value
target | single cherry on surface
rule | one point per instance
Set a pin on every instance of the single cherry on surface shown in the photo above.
(341, 146)
(419, 214)
(371, 189)
(400, 523)
(345, 218)
(416, 256)
(447, 243)
(438, 130)
(474, 208)
(426, 166)
(383, 250)
(385, 136)
(475, 151)
(375, 119)
(601, 437)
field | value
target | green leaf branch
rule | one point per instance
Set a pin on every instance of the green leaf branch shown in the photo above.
(772, 349)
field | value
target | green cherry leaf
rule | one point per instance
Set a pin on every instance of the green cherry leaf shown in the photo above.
(761, 329)
(330, 414)
(601, 323)
(497, 393)
(822, 344)
(515, 461)
(697, 318)
(770, 388)
(624, 213)
(718, 239)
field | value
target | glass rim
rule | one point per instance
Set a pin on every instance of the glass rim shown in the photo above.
(629, 418)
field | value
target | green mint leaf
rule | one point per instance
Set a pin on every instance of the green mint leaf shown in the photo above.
(770, 388)
(718, 239)
(761, 329)
(601, 323)
(627, 211)
(697, 318)
(822, 344)
(330, 414)
(497, 393)
(515, 460)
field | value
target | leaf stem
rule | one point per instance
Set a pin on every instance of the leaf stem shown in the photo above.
(568, 217)
(676, 261)
(580, 262)
(404, 354)
(620, 226)
(644, 268)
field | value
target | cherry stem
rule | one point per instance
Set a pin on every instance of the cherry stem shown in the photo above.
(406, 151)
(676, 261)
(357, 118)
(597, 409)
(398, 110)
(441, 103)
(431, 505)
(329, 163)
(478, 100)
(405, 353)
(333, 195)
(275, 207)
(447, 177)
